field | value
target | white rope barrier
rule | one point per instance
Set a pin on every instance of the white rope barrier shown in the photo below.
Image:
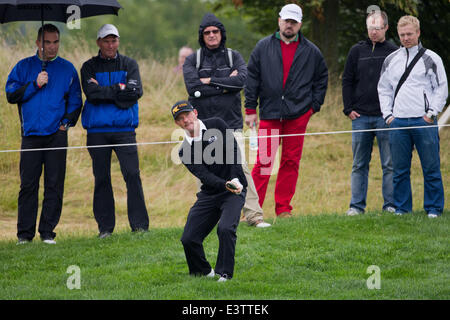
(268, 136)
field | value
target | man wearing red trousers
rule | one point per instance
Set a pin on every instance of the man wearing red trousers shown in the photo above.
(288, 74)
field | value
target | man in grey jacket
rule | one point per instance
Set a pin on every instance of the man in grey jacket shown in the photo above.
(415, 104)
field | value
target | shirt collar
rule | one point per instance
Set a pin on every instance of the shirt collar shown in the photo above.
(277, 35)
(190, 139)
(415, 48)
(37, 55)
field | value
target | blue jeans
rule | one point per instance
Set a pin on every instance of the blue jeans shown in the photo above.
(426, 142)
(362, 144)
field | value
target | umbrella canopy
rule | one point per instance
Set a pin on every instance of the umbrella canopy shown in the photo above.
(53, 10)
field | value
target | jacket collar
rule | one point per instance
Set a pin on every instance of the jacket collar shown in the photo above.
(377, 44)
(107, 59)
(413, 50)
(48, 61)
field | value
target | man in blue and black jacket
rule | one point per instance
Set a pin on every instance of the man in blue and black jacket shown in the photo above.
(112, 85)
(47, 90)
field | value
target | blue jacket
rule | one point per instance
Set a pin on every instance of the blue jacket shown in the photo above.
(43, 110)
(107, 107)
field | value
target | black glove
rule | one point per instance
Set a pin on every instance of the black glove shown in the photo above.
(127, 97)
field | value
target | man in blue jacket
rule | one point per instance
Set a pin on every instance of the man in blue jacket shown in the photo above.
(362, 106)
(112, 85)
(47, 90)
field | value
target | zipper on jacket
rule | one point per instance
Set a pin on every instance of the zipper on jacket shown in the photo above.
(407, 58)
(426, 102)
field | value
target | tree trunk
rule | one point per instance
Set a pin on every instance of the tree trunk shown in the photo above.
(324, 32)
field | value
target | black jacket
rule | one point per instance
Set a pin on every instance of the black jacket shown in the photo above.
(222, 97)
(361, 75)
(224, 151)
(305, 87)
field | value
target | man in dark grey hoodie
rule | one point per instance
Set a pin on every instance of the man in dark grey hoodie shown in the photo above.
(214, 77)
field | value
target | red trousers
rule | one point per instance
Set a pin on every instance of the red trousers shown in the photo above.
(291, 153)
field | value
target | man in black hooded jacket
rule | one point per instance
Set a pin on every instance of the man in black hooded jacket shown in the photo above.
(214, 77)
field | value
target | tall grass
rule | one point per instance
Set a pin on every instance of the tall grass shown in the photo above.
(323, 186)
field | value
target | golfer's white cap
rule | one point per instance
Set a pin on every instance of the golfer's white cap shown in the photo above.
(291, 11)
(107, 30)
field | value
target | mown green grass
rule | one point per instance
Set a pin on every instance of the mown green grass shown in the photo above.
(308, 257)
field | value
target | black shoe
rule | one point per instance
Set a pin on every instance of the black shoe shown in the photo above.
(139, 230)
(104, 234)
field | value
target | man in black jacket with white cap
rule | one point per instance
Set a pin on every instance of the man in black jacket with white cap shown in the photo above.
(210, 152)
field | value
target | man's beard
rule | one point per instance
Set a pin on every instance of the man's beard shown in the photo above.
(289, 36)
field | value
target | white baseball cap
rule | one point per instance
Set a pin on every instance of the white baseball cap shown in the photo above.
(291, 11)
(107, 30)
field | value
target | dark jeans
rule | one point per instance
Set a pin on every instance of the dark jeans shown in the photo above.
(31, 164)
(224, 208)
(104, 209)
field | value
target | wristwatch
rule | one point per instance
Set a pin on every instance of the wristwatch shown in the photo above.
(431, 116)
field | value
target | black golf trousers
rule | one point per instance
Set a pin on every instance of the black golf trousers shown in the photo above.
(31, 164)
(104, 209)
(223, 209)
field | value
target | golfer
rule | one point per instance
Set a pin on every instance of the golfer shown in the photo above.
(222, 194)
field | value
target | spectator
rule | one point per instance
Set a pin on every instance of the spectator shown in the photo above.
(214, 77)
(414, 101)
(182, 55)
(112, 85)
(288, 74)
(362, 106)
(49, 102)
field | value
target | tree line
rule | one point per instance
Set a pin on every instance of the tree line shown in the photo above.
(158, 28)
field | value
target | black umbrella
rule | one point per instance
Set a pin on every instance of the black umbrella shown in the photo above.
(53, 10)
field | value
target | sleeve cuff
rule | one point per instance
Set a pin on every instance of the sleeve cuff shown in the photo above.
(250, 111)
(387, 118)
(35, 84)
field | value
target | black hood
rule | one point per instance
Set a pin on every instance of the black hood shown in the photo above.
(208, 20)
